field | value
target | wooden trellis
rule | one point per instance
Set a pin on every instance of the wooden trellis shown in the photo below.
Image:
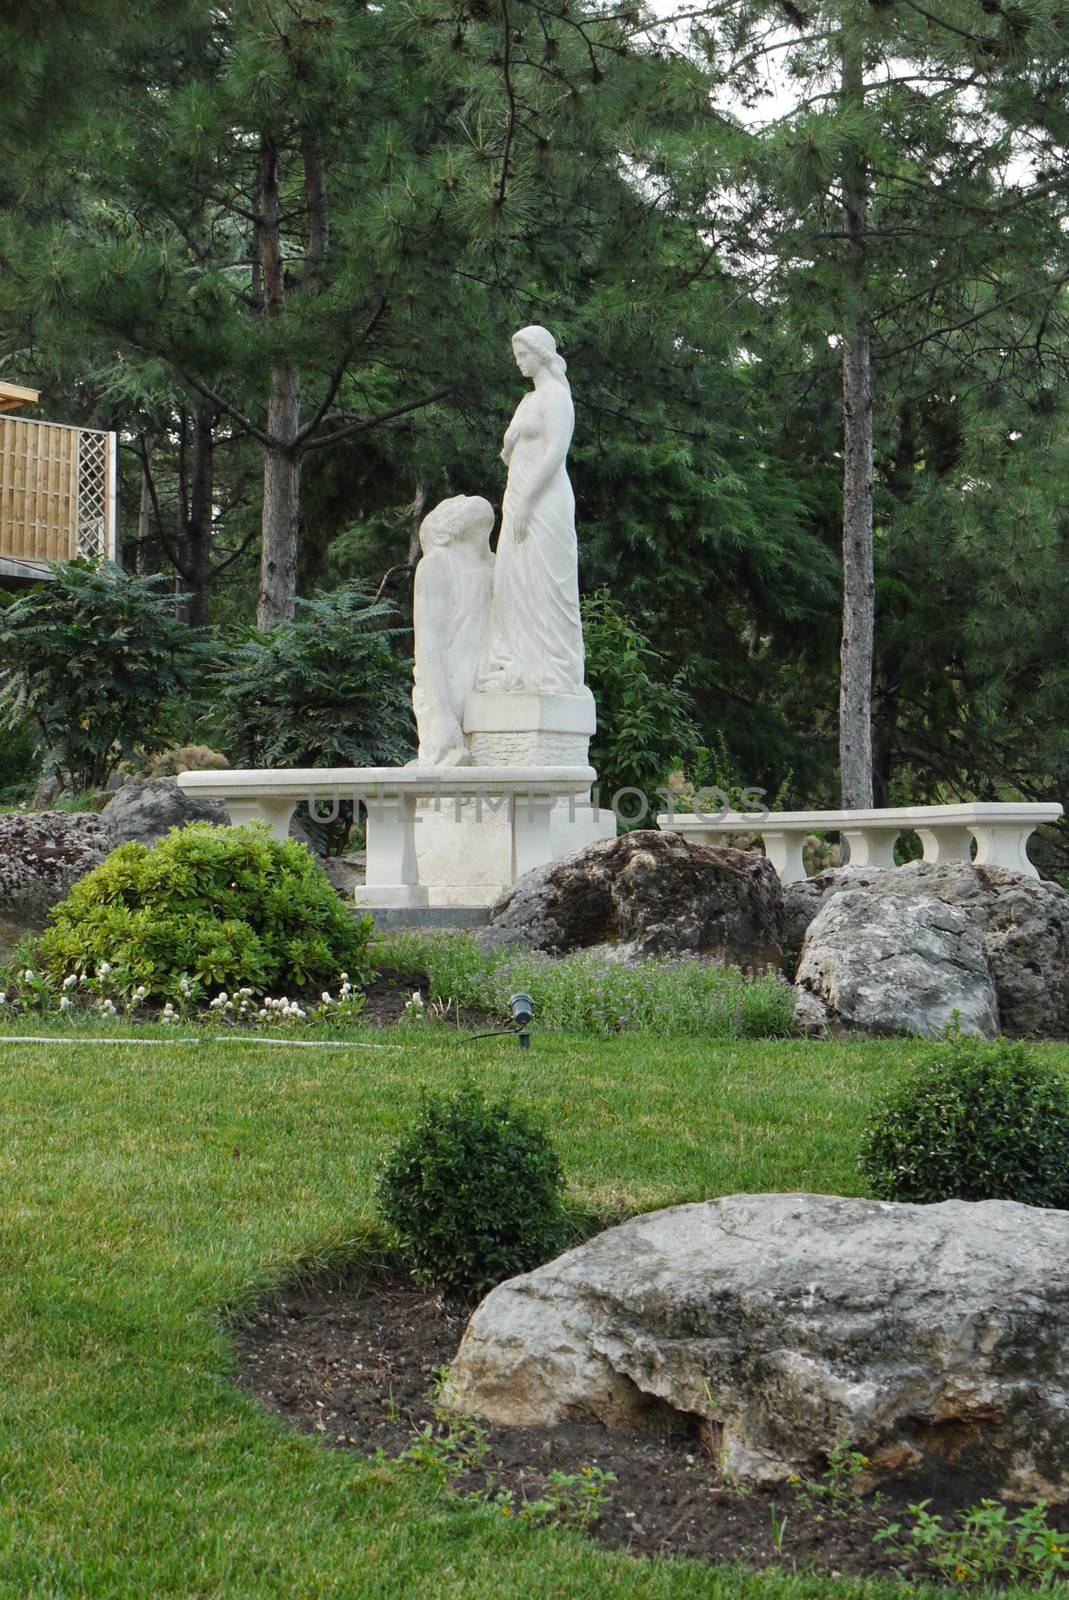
(57, 493)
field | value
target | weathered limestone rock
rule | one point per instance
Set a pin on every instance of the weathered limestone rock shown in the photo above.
(647, 893)
(1024, 922)
(792, 1323)
(42, 855)
(147, 808)
(894, 965)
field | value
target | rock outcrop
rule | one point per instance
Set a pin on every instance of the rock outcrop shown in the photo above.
(894, 964)
(647, 893)
(1024, 923)
(922, 1334)
(145, 809)
(42, 855)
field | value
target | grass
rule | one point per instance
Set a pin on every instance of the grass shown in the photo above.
(143, 1191)
(590, 993)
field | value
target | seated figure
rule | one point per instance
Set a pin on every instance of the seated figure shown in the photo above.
(451, 609)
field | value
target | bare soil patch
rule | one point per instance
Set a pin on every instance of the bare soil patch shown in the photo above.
(356, 1365)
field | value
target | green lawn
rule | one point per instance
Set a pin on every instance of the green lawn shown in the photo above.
(141, 1190)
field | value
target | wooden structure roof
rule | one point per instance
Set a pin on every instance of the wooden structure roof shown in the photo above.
(13, 395)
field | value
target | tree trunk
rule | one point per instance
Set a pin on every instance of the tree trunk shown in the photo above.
(859, 583)
(282, 500)
(198, 543)
(282, 466)
(148, 550)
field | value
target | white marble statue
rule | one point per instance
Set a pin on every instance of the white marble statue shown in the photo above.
(451, 611)
(536, 636)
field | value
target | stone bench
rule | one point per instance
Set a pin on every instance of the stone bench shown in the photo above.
(947, 833)
(528, 815)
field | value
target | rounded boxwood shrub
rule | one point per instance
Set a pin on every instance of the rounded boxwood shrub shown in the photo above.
(473, 1193)
(218, 908)
(979, 1122)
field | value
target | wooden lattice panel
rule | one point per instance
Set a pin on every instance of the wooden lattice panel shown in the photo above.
(55, 491)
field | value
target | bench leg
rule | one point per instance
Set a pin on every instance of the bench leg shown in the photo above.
(275, 812)
(392, 867)
(870, 847)
(1004, 845)
(950, 841)
(532, 832)
(784, 850)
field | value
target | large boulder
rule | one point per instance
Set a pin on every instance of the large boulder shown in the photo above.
(1024, 923)
(42, 855)
(145, 809)
(893, 964)
(647, 893)
(925, 1335)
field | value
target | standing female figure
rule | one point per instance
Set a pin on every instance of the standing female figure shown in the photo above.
(536, 634)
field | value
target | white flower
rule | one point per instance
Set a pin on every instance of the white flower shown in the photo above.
(103, 969)
(327, 1001)
(70, 980)
(3, 999)
(27, 976)
(66, 1003)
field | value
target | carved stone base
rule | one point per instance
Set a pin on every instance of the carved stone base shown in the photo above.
(528, 729)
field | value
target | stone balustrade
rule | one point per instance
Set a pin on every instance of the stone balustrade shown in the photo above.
(523, 808)
(947, 833)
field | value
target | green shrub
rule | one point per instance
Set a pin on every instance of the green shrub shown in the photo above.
(212, 908)
(93, 661)
(979, 1122)
(473, 1193)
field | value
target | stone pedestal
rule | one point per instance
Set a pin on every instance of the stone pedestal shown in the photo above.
(529, 729)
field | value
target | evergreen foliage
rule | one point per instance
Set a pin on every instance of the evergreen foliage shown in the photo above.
(646, 721)
(92, 659)
(473, 1192)
(979, 1122)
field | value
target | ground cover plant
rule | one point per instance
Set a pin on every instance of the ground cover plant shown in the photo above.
(143, 1188)
(204, 911)
(588, 992)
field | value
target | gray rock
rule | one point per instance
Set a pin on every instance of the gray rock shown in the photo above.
(145, 809)
(1024, 923)
(42, 855)
(647, 893)
(894, 964)
(791, 1323)
(346, 873)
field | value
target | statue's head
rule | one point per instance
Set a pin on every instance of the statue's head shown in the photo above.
(535, 347)
(465, 519)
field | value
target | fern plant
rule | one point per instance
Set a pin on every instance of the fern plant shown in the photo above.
(327, 689)
(94, 661)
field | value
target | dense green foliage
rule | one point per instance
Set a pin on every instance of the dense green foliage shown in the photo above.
(206, 910)
(92, 659)
(646, 717)
(978, 1122)
(18, 763)
(325, 690)
(585, 993)
(473, 1192)
(443, 179)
